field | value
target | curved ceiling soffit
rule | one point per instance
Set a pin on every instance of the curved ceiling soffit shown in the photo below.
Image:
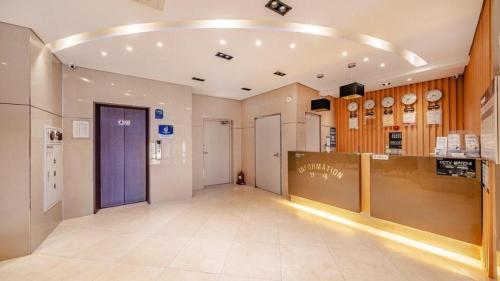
(371, 41)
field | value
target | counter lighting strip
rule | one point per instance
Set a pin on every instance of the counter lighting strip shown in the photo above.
(391, 236)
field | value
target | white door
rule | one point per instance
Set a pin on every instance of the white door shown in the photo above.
(216, 152)
(313, 132)
(268, 153)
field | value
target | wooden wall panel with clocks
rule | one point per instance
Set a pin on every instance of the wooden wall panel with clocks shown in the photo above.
(418, 139)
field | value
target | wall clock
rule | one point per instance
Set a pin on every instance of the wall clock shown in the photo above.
(387, 102)
(433, 97)
(353, 106)
(369, 105)
(409, 100)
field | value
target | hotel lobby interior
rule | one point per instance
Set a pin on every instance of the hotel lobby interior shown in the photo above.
(195, 140)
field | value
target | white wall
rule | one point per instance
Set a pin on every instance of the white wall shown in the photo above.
(205, 107)
(82, 88)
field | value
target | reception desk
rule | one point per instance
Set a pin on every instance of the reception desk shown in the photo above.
(404, 190)
(328, 178)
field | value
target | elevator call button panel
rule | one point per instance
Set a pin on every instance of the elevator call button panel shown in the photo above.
(53, 167)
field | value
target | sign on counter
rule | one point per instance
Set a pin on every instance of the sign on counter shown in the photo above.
(456, 167)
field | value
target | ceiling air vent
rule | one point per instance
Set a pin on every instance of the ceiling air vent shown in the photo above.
(155, 4)
(279, 73)
(198, 79)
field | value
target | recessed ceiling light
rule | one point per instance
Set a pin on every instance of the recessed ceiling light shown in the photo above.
(161, 103)
(224, 56)
(279, 73)
(127, 94)
(382, 65)
(103, 53)
(85, 79)
(366, 59)
(4, 63)
(258, 43)
(129, 48)
(292, 46)
(344, 54)
(320, 75)
(112, 84)
(159, 44)
(386, 84)
(409, 79)
(198, 79)
(222, 42)
(246, 89)
(278, 7)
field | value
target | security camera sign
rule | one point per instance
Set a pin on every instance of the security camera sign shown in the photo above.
(165, 131)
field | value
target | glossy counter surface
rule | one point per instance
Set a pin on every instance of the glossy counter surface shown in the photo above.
(406, 190)
(329, 178)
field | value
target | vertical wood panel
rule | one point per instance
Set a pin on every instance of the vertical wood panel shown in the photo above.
(419, 139)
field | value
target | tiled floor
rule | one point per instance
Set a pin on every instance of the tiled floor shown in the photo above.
(225, 233)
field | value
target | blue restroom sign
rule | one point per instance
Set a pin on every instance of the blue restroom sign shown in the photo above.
(165, 131)
(158, 113)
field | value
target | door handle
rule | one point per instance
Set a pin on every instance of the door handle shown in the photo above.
(276, 154)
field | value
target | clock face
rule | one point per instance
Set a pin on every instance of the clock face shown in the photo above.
(353, 106)
(409, 99)
(434, 95)
(387, 101)
(369, 104)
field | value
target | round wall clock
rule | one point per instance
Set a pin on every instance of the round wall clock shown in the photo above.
(434, 95)
(409, 99)
(369, 104)
(387, 101)
(353, 106)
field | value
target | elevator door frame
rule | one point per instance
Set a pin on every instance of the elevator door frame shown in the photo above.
(97, 151)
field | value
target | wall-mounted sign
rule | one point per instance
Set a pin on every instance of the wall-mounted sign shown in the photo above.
(166, 131)
(123, 122)
(322, 170)
(158, 113)
(456, 167)
(395, 140)
(441, 146)
(81, 129)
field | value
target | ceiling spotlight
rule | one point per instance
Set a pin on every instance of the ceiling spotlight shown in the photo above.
(4, 63)
(279, 73)
(246, 89)
(112, 84)
(159, 44)
(278, 7)
(258, 43)
(224, 56)
(292, 46)
(104, 54)
(129, 48)
(366, 59)
(320, 75)
(344, 54)
(222, 42)
(409, 79)
(382, 65)
(198, 79)
(386, 84)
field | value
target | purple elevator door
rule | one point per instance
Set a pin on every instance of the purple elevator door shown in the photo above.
(135, 156)
(123, 144)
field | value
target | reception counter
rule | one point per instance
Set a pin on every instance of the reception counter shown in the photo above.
(415, 192)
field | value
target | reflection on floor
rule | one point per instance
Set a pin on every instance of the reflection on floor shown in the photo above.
(226, 233)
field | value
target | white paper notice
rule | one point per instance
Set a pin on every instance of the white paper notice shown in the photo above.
(454, 143)
(471, 145)
(353, 123)
(388, 120)
(434, 117)
(441, 146)
(410, 117)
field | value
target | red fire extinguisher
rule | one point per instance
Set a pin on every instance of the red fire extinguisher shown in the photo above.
(241, 178)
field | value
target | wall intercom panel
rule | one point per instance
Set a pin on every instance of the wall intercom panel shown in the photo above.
(53, 167)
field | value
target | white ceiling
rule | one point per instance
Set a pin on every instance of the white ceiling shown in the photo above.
(440, 32)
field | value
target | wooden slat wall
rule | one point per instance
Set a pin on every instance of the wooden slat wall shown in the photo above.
(479, 73)
(418, 140)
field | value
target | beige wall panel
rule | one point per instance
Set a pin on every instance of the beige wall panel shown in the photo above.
(41, 223)
(15, 67)
(14, 172)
